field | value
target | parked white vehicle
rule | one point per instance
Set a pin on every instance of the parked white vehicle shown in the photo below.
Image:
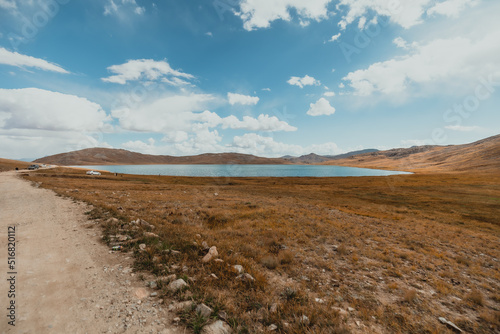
(93, 172)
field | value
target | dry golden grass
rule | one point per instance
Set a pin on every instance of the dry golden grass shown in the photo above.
(7, 164)
(400, 251)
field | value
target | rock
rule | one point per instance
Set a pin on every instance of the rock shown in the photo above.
(319, 300)
(218, 327)
(450, 324)
(153, 285)
(177, 285)
(181, 306)
(246, 277)
(205, 245)
(274, 308)
(142, 246)
(141, 293)
(212, 254)
(167, 279)
(219, 260)
(110, 220)
(204, 310)
(154, 294)
(239, 269)
(122, 238)
(272, 328)
(350, 309)
(151, 235)
(304, 320)
(222, 315)
(213, 276)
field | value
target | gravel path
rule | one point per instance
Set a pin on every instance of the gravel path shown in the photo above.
(66, 280)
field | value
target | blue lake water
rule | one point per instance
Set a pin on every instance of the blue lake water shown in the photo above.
(245, 170)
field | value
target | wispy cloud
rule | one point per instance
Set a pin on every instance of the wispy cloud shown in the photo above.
(147, 69)
(19, 60)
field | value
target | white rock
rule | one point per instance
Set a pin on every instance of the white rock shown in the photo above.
(177, 285)
(181, 306)
(204, 310)
(212, 253)
(218, 327)
(304, 320)
(142, 246)
(272, 327)
(239, 269)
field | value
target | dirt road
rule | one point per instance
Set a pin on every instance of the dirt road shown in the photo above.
(64, 279)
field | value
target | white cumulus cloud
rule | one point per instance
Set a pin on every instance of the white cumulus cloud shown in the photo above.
(253, 143)
(305, 81)
(321, 108)
(147, 69)
(335, 37)
(36, 122)
(260, 13)
(455, 61)
(234, 98)
(451, 8)
(19, 60)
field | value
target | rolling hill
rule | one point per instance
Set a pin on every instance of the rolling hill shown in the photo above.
(107, 156)
(483, 155)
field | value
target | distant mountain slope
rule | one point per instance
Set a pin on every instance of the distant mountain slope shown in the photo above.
(483, 155)
(107, 156)
(316, 159)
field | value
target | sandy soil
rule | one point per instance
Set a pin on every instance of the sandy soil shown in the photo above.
(67, 281)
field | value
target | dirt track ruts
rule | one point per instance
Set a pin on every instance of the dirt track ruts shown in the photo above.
(67, 281)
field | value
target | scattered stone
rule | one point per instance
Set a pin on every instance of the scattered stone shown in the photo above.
(239, 269)
(153, 285)
(319, 300)
(185, 269)
(204, 310)
(246, 277)
(350, 309)
(272, 328)
(219, 260)
(450, 324)
(205, 245)
(218, 327)
(167, 279)
(141, 293)
(222, 315)
(110, 220)
(212, 253)
(213, 276)
(274, 308)
(177, 285)
(304, 320)
(198, 236)
(154, 294)
(122, 238)
(177, 320)
(142, 246)
(180, 306)
(151, 235)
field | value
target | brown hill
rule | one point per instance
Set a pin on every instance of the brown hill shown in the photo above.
(7, 164)
(483, 155)
(107, 156)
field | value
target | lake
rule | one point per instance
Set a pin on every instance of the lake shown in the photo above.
(244, 170)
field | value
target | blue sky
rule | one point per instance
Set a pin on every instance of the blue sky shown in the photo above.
(264, 77)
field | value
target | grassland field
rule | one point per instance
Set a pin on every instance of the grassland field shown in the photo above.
(328, 255)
